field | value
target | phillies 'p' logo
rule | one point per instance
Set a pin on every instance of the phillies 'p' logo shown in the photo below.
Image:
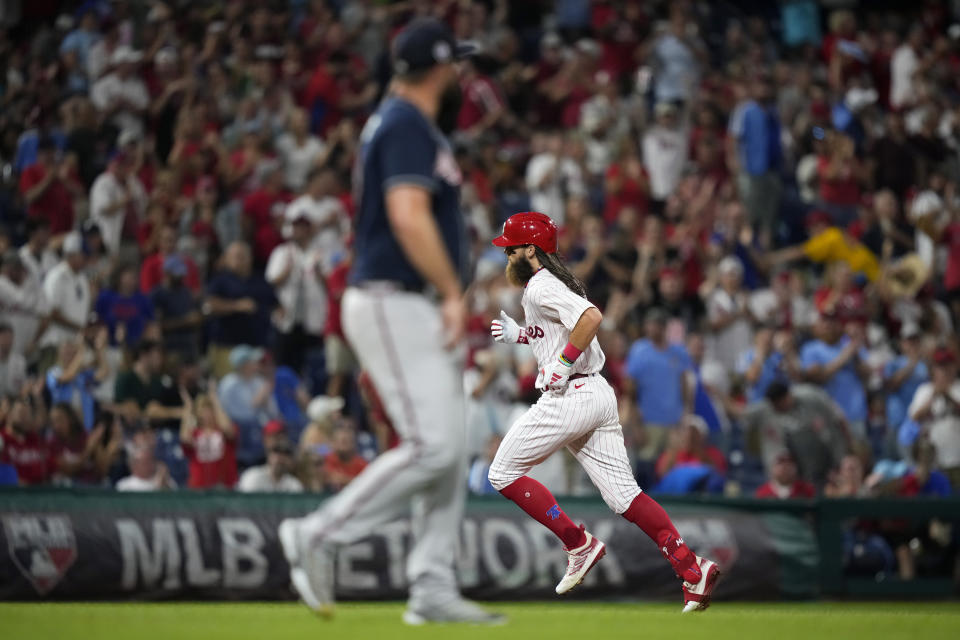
(534, 332)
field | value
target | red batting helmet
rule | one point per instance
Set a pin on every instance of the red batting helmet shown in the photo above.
(529, 227)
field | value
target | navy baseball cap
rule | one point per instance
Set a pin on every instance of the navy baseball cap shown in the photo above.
(424, 43)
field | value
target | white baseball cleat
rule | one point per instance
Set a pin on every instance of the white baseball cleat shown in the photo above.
(580, 561)
(696, 597)
(311, 570)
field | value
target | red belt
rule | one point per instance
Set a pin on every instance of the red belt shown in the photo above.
(577, 376)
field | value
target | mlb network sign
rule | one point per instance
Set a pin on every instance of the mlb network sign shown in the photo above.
(108, 550)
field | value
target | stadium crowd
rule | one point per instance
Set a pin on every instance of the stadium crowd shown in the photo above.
(763, 203)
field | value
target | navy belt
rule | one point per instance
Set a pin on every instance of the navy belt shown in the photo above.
(577, 376)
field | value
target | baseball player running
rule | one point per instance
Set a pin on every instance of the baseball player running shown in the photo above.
(404, 314)
(578, 410)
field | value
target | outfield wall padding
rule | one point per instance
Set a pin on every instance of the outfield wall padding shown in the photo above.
(73, 544)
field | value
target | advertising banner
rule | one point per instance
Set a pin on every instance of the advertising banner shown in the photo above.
(225, 546)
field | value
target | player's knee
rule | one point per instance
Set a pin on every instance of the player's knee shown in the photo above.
(500, 477)
(620, 500)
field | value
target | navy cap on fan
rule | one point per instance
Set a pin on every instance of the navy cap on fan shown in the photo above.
(426, 42)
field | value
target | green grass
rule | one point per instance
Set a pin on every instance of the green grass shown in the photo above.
(554, 620)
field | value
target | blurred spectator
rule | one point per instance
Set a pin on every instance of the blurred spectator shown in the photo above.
(261, 208)
(24, 447)
(704, 464)
(295, 272)
(331, 223)
(840, 175)
(274, 433)
(936, 407)
(343, 464)
(139, 390)
(917, 478)
(108, 360)
(903, 67)
(676, 53)
(665, 151)
(208, 438)
(847, 480)
(152, 270)
(121, 95)
(72, 380)
(895, 166)
(552, 174)
(38, 257)
(883, 230)
(290, 395)
(314, 444)
(247, 398)
(177, 310)
(49, 188)
(943, 229)
(67, 289)
(239, 303)
(117, 202)
(784, 480)
(836, 359)
(755, 129)
(76, 456)
(658, 371)
(123, 308)
(146, 472)
(772, 358)
(827, 244)
(626, 183)
(82, 39)
(483, 105)
(840, 296)
(712, 401)
(275, 476)
(99, 55)
(729, 315)
(904, 374)
(13, 366)
(803, 419)
(99, 264)
(300, 151)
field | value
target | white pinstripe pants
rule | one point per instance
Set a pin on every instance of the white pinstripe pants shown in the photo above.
(398, 339)
(583, 418)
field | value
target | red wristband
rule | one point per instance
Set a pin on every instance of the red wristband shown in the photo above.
(570, 354)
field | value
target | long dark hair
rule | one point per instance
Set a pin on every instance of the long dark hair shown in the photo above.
(76, 425)
(552, 263)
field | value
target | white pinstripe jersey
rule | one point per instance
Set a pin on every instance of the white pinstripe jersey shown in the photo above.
(551, 311)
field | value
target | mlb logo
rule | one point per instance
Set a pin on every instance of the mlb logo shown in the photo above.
(42, 546)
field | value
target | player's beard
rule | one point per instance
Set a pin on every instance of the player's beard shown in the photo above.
(519, 272)
(449, 109)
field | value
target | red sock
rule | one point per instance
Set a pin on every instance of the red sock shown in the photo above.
(539, 503)
(650, 516)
